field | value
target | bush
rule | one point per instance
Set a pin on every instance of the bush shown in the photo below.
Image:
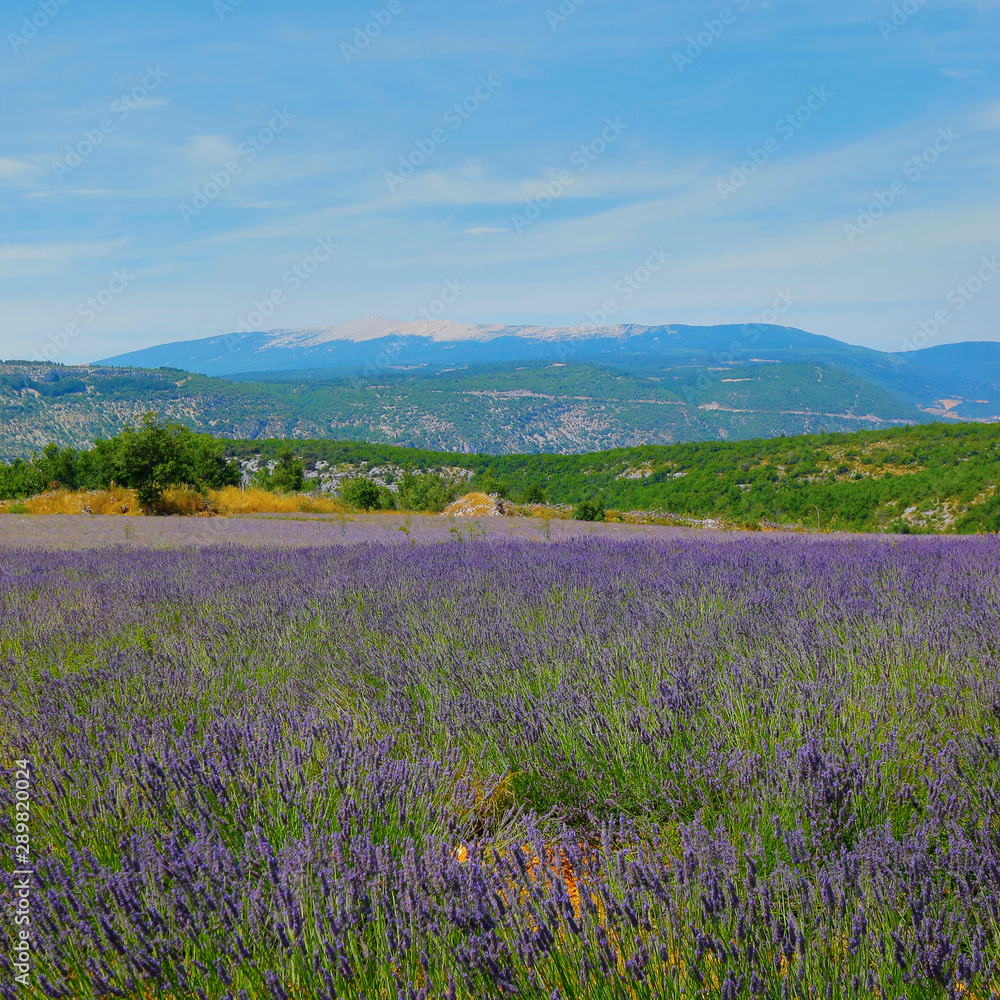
(427, 492)
(361, 493)
(287, 476)
(589, 510)
(488, 483)
(152, 457)
(533, 494)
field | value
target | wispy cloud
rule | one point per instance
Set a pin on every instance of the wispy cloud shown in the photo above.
(18, 260)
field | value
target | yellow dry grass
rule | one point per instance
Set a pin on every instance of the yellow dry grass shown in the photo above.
(117, 500)
(232, 500)
(181, 500)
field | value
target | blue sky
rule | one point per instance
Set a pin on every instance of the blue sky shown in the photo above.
(164, 166)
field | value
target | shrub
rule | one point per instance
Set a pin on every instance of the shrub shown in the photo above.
(287, 476)
(488, 483)
(533, 494)
(361, 493)
(589, 510)
(427, 492)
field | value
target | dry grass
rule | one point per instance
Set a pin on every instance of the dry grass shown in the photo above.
(232, 500)
(114, 501)
(185, 501)
(182, 501)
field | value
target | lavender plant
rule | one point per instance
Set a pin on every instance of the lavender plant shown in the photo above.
(745, 767)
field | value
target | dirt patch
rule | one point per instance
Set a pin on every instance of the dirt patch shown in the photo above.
(479, 505)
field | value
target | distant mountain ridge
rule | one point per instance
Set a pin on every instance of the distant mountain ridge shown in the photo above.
(955, 381)
(526, 407)
(377, 343)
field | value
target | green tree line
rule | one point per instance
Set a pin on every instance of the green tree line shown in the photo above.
(866, 480)
(148, 458)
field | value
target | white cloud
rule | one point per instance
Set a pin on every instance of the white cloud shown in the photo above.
(150, 102)
(19, 260)
(210, 149)
(15, 170)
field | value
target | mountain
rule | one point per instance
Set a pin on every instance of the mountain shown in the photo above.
(372, 345)
(502, 389)
(977, 361)
(956, 381)
(552, 407)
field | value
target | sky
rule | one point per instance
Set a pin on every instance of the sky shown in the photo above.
(172, 171)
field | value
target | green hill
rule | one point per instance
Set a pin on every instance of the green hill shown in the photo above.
(531, 407)
(935, 477)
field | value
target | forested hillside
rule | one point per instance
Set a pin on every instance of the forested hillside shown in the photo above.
(548, 408)
(936, 477)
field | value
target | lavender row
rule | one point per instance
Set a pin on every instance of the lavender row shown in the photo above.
(741, 767)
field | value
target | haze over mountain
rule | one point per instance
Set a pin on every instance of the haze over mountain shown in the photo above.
(501, 389)
(953, 380)
(374, 343)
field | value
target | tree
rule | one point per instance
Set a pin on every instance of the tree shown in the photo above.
(361, 493)
(153, 457)
(211, 468)
(156, 455)
(487, 482)
(430, 492)
(287, 476)
(20, 479)
(589, 510)
(58, 466)
(533, 494)
(386, 498)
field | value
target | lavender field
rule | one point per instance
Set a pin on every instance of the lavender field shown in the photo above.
(615, 765)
